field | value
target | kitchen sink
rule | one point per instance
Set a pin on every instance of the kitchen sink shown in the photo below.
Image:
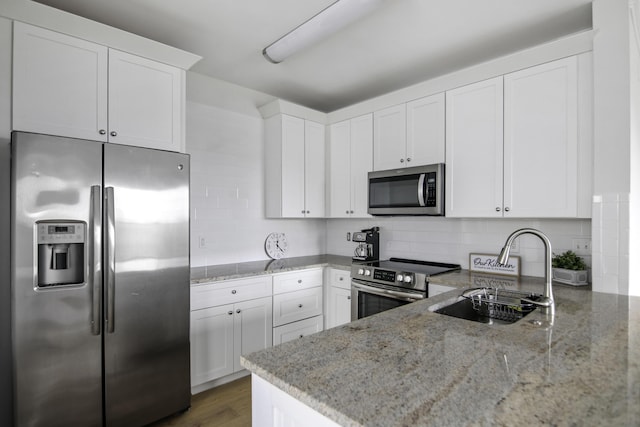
(491, 306)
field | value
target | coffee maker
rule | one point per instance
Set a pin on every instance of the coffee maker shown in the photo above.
(368, 248)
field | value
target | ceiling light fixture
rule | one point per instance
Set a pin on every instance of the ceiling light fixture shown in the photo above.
(328, 21)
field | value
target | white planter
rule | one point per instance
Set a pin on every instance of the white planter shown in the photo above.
(571, 277)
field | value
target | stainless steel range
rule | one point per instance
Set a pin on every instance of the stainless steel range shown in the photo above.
(382, 285)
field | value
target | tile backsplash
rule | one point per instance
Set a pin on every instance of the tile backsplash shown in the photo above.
(228, 223)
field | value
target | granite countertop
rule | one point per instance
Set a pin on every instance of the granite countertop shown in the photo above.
(213, 273)
(410, 366)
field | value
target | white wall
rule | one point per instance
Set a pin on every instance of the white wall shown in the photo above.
(227, 191)
(451, 239)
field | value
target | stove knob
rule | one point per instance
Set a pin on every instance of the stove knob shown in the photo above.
(408, 278)
(399, 277)
(360, 271)
(367, 272)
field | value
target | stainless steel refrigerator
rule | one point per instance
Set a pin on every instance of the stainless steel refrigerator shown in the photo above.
(100, 282)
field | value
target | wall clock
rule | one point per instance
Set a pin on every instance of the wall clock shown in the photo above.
(276, 245)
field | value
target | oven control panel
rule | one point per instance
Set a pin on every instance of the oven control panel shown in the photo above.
(386, 276)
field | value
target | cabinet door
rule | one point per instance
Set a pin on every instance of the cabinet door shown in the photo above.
(292, 178)
(389, 138)
(425, 130)
(474, 150)
(145, 102)
(338, 306)
(540, 141)
(212, 339)
(361, 164)
(314, 169)
(59, 84)
(253, 324)
(339, 194)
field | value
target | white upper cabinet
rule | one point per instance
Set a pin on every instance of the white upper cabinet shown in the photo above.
(410, 134)
(425, 130)
(294, 156)
(350, 160)
(59, 84)
(474, 150)
(389, 138)
(541, 140)
(71, 87)
(531, 170)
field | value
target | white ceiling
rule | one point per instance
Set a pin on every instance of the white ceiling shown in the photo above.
(402, 43)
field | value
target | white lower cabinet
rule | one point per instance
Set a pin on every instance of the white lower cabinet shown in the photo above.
(297, 304)
(338, 306)
(220, 334)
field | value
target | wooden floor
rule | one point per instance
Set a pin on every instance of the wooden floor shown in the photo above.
(228, 405)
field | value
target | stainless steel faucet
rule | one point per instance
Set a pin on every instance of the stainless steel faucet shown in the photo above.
(547, 298)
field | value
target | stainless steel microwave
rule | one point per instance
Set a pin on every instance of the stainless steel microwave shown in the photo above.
(417, 190)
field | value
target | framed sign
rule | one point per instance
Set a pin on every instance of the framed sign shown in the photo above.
(486, 263)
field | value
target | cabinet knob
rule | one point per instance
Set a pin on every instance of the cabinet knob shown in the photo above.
(113, 133)
(301, 336)
(308, 212)
(299, 305)
(341, 279)
(347, 212)
(351, 212)
(302, 211)
(102, 131)
(238, 311)
(507, 209)
(234, 292)
(401, 160)
(498, 209)
(408, 159)
(349, 297)
(299, 280)
(229, 312)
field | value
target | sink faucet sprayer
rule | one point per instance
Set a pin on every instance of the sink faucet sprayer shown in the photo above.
(547, 299)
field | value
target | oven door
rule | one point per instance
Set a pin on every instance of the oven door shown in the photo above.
(367, 300)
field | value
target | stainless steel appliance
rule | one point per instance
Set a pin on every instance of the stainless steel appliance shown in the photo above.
(368, 241)
(100, 282)
(417, 190)
(382, 285)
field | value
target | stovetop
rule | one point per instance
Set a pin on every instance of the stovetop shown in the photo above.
(399, 272)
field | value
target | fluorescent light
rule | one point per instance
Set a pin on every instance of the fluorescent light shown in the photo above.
(328, 21)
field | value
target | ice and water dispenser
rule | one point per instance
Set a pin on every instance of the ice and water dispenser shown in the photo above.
(61, 252)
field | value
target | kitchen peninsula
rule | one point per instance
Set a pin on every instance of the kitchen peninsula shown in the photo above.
(410, 366)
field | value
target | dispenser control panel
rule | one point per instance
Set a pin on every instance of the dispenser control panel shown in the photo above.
(54, 233)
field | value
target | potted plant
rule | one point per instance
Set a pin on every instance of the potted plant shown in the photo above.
(569, 268)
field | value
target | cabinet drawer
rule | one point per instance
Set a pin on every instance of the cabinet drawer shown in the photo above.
(294, 306)
(229, 291)
(340, 278)
(300, 329)
(303, 279)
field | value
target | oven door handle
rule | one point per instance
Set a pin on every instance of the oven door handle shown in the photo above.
(387, 292)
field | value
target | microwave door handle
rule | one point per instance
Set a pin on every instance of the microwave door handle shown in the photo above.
(421, 189)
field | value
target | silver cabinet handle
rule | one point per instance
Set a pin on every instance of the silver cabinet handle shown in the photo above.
(408, 159)
(497, 209)
(401, 160)
(302, 211)
(102, 131)
(234, 292)
(113, 133)
(238, 311)
(341, 279)
(299, 305)
(95, 263)
(308, 212)
(229, 312)
(507, 209)
(299, 280)
(347, 212)
(349, 297)
(351, 212)
(301, 336)
(110, 259)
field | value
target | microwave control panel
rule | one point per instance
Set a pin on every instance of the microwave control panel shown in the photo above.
(430, 190)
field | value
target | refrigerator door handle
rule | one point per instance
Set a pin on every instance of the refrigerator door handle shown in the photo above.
(110, 259)
(95, 263)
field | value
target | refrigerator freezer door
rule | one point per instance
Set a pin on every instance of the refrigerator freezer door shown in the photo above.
(146, 331)
(57, 351)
